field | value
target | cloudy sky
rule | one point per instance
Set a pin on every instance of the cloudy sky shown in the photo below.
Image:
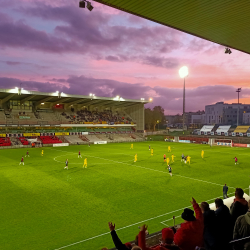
(54, 45)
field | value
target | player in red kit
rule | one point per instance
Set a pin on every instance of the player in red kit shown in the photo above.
(164, 157)
(236, 160)
(79, 154)
(27, 154)
(21, 162)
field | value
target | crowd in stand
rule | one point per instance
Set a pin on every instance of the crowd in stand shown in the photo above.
(97, 117)
(207, 229)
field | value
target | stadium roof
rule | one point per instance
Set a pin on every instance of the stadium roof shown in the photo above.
(62, 98)
(219, 21)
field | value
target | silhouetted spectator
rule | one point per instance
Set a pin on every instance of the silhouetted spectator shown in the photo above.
(242, 229)
(239, 206)
(190, 234)
(210, 227)
(224, 222)
(118, 244)
(168, 234)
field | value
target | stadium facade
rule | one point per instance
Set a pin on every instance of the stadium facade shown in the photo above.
(23, 108)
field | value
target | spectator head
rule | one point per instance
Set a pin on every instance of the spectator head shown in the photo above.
(128, 245)
(188, 215)
(225, 184)
(136, 248)
(167, 235)
(204, 207)
(218, 203)
(239, 193)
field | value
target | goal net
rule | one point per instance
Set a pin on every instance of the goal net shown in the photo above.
(223, 142)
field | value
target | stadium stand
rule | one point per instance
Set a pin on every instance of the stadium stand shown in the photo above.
(73, 139)
(223, 129)
(2, 117)
(207, 128)
(50, 139)
(241, 129)
(23, 140)
(5, 141)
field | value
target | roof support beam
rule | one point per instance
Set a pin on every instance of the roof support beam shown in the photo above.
(62, 100)
(44, 100)
(7, 98)
(27, 98)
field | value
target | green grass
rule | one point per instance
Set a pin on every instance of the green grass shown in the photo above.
(44, 206)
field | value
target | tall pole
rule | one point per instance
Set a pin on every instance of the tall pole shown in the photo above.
(238, 111)
(183, 118)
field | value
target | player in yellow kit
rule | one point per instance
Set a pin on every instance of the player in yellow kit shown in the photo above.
(135, 158)
(188, 159)
(85, 163)
(168, 160)
(169, 149)
(131, 146)
(152, 152)
(42, 153)
(172, 157)
(202, 154)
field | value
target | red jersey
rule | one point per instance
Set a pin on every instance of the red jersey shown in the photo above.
(164, 156)
(22, 159)
(27, 153)
(235, 159)
(79, 153)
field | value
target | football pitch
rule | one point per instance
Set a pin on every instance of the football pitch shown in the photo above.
(44, 206)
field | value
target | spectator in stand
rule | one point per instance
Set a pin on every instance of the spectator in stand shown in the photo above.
(118, 244)
(190, 234)
(225, 189)
(167, 234)
(239, 206)
(224, 222)
(242, 229)
(210, 227)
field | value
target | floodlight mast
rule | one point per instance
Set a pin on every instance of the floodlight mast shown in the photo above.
(183, 72)
(238, 111)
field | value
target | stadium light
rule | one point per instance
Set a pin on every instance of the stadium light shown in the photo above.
(150, 99)
(142, 99)
(42, 103)
(183, 72)
(228, 51)
(89, 6)
(82, 4)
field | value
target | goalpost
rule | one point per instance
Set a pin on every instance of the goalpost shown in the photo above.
(223, 142)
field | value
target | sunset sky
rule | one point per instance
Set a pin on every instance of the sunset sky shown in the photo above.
(55, 45)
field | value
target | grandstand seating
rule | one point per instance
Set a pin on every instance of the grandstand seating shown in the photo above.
(194, 139)
(223, 129)
(2, 117)
(5, 141)
(104, 117)
(241, 129)
(23, 140)
(73, 139)
(207, 128)
(50, 139)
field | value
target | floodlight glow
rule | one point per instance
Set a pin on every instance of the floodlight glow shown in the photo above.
(90, 94)
(117, 96)
(150, 99)
(42, 103)
(183, 71)
(142, 99)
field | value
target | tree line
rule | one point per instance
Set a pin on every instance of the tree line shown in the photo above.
(154, 117)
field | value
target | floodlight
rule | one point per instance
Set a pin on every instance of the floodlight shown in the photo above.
(81, 4)
(142, 99)
(228, 51)
(150, 99)
(89, 6)
(117, 96)
(183, 72)
(42, 103)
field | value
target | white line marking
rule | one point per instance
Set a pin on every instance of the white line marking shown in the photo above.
(132, 225)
